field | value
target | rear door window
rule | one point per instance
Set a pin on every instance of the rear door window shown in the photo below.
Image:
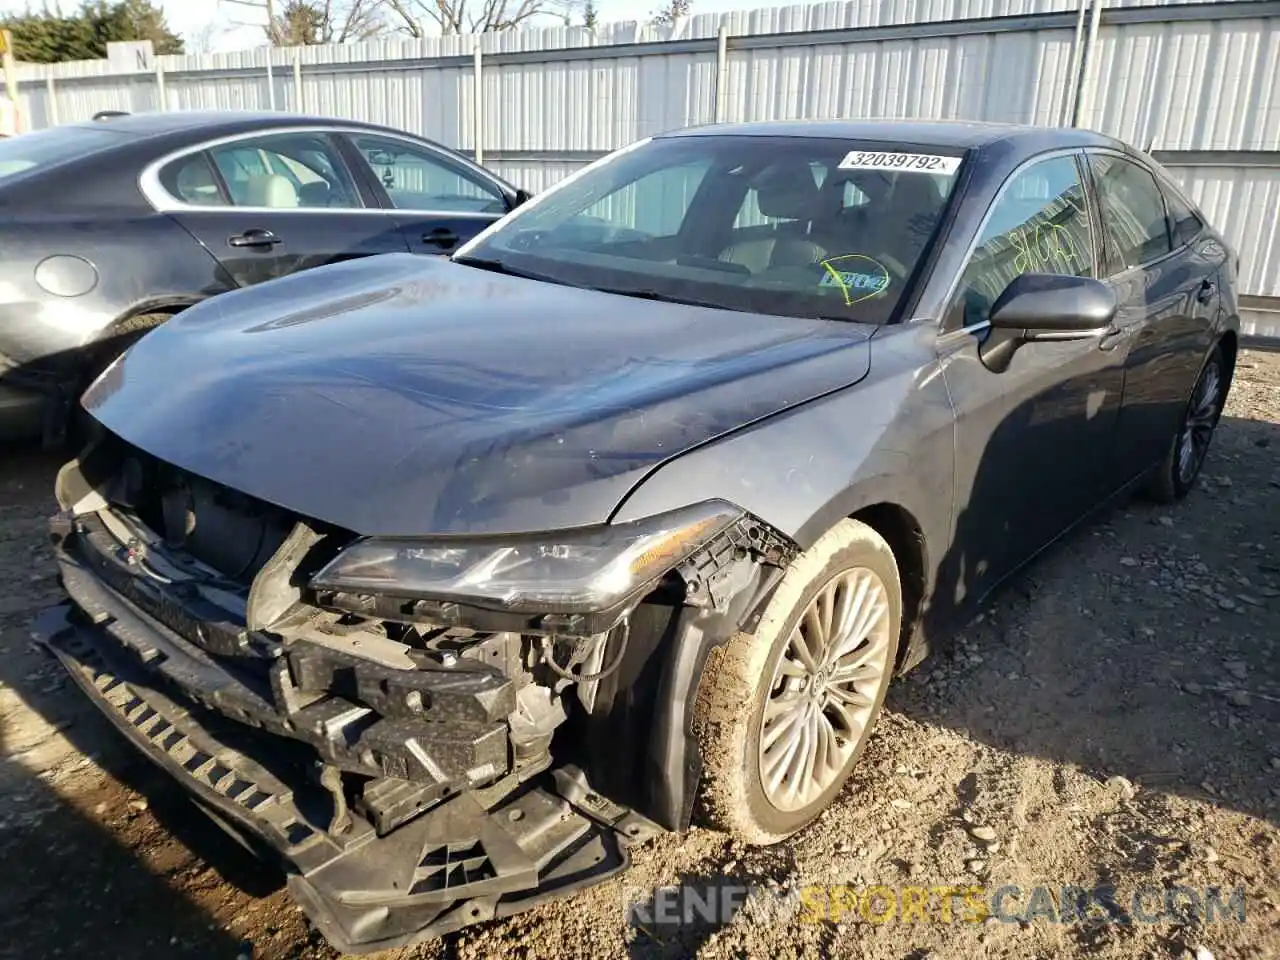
(1184, 223)
(285, 171)
(1133, 213)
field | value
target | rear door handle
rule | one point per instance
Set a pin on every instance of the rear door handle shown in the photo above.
(441, 237)
(1206, 291)
(254, 238)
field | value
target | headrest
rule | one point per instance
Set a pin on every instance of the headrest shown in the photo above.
(786, 190)
(272, 191)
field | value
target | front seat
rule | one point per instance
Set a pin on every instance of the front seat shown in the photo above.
(784, 191)
(909, 215)
(272, 191)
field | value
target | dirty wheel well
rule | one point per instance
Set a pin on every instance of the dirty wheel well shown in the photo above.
(121, 333)
(904, 536)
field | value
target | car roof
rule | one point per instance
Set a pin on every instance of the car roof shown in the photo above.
(960, 134)
(210, 122)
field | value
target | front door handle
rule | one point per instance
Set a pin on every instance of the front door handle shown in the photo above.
(441, 237)
(254, 238)
(1114, 337)
(1206, 291)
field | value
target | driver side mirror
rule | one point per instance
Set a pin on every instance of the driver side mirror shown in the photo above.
(1041, 306)
(522, 197)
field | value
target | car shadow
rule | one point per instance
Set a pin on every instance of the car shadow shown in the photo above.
(1140, 645)
(72, 885)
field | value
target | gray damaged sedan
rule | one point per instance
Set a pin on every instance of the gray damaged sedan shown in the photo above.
(446, 582)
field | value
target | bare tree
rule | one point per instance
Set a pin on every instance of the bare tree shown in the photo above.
(671, 11)
(418, 17)
(305, 22)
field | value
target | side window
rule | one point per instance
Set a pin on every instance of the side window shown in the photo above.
(1039, 224)
(1132, 207)
(286, 171)
(1184, 223)
(415, 178)
(191, 179)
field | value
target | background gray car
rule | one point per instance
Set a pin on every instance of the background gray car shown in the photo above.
(112, 227)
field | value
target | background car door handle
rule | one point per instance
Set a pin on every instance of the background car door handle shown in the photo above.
(254, 238)
(1206, 291)
(441, 237)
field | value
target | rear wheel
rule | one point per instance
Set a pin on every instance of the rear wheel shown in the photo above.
(1181, 465)
(783, 713)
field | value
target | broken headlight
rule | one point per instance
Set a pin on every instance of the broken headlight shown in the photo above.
(570, 571)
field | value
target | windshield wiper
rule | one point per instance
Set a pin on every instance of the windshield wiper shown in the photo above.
(501, 266)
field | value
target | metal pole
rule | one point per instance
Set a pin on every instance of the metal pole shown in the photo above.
(160, 91)
(11, 78)
(1073, 78)
(299, 104)
(478, 105)
(722, 72)
(1084, 99)
(51, 101)
(271, 82)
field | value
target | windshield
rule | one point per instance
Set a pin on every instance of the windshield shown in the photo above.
(46, 148)
(793, 226)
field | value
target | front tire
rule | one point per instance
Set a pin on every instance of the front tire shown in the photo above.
(1177, 473)
(783, 713)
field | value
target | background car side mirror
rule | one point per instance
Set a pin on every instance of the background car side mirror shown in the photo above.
(1042, 306)
(522, 196)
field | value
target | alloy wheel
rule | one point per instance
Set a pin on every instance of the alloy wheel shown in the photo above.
(1201, 418)
(825, 688)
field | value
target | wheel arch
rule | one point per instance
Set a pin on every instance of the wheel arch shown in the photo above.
(906, 538)
(131, 323)
(1230, 343)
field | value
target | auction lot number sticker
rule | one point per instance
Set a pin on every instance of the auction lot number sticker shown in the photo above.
(884, 160)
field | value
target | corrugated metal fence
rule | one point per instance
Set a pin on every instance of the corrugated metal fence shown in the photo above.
(1197, 83)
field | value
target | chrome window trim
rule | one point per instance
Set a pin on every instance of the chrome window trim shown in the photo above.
(954, 285)
(164, 202)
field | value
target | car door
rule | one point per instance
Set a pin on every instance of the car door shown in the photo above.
(438, 200)
(1164, 269)
(1033, 440)
(271, 204)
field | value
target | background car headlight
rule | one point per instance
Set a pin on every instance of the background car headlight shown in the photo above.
(572, 571)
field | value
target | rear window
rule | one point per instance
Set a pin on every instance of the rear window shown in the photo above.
(32, 152)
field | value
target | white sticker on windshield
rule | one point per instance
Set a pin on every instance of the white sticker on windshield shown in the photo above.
(883, 160)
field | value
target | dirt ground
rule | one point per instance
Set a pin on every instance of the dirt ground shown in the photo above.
(1114, 719)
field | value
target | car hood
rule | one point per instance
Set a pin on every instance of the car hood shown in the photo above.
(404, 396)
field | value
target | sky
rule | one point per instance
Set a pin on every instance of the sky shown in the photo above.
(222, 26)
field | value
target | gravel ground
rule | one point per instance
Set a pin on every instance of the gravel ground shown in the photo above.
(1114, 718)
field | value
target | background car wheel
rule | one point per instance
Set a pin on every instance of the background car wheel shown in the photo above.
(1180, 467)
(79, 426)
(783, 713)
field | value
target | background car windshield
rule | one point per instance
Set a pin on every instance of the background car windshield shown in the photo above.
(783, 225)
(37, 151)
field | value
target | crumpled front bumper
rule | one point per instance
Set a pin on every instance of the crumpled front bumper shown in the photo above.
(477, 854)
